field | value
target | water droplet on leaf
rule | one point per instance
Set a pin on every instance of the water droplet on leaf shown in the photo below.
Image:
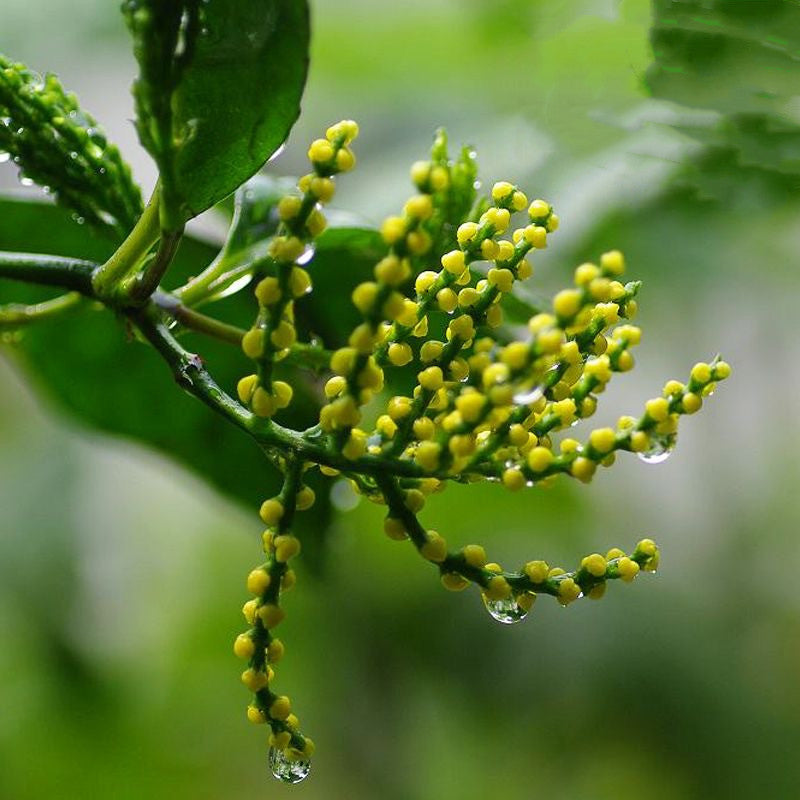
(286, 769)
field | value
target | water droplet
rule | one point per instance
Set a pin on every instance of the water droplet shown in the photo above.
(79, 118)
(98, 137)
(306, 256)
(507, 611)
(26, 181)
(528, 397)
(286, 769)
(661, 445)
(4, 157)
(343, 496)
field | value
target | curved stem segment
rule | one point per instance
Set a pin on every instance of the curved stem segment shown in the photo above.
(191, 374)
(16, 315)
(135, 247)
(145, 283)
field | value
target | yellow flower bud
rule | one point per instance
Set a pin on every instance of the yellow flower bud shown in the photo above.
(345, 160)
(568, 302)
(255, 715)
(431, 378)
(258, 582)
(320, 152)
(245, 388)
(268, 291)
(595, 565)
(627, 568)
(424, 281)
(271, 615)
(474, 555)
(243, 646)
(299, 282)
(497, 588)
(612, 263)
(280, 708)
(540, 459)
(419, 207)
(603, 440)
(455, 261)
(454, 582)
(427, 455)
(435, 548)
(395, 529)
(271, 511)
(305, 498)
(657, 408)
(537, 571)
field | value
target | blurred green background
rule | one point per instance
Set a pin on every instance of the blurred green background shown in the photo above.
(668, 129)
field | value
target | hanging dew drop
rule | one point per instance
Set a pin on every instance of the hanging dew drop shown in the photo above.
(287, 769)
(508, 611)
(661, 446)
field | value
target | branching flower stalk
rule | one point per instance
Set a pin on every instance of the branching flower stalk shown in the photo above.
(489, 403)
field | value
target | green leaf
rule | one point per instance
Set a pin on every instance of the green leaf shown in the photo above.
(254, 221)
(219, 89)
(740, 61)
(728, 55)
(61, 147)
(88, 365)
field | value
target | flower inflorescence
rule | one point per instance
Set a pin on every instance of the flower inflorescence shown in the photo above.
(484, 406)
(61, 147)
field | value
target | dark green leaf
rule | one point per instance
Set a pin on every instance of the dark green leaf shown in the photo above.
(88, 365)
(219, 88)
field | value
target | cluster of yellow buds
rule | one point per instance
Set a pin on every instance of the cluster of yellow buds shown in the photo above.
(486, 404)
(290, 750)
(301, 221)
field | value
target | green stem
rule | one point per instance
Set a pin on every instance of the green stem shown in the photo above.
(15, 315)
(145, 283)
(143, 236)
(307, 355)
(190, 373)
(66, 273)
(195, 321)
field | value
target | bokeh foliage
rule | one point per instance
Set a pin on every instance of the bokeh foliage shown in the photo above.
(118, 677)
